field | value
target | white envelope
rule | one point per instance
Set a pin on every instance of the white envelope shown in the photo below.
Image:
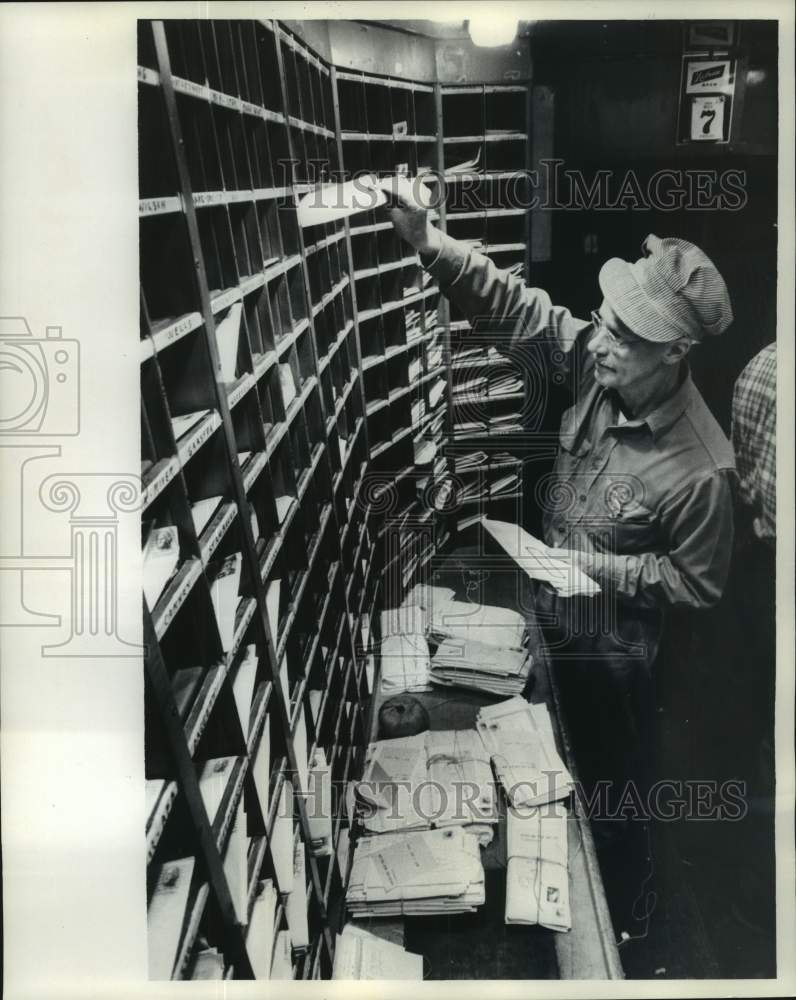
(161, 556)
(260, 936)
(361, 955)
(166, 915)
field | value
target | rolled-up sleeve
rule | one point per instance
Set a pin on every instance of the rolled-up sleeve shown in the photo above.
(699, 524)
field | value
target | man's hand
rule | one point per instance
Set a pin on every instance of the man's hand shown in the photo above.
(409, 204)
(573, 569)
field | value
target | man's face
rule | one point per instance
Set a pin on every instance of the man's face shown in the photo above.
(623, 360)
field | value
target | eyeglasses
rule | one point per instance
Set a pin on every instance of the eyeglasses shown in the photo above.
(615, 342)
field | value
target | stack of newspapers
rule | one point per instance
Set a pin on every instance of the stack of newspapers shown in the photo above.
(434, 779)
(416, 874)
(519, 739)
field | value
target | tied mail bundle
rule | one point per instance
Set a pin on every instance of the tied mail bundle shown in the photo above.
(418, 852)
(427, 803)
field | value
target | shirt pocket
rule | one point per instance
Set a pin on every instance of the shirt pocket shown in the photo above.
(635, 529)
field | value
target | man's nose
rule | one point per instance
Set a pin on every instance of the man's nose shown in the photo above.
(598, 343)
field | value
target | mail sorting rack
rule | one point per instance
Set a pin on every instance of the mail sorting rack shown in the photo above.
(391, 126)
(485, 163)
(254, 446)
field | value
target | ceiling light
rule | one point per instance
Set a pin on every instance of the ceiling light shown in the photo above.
(492, 29)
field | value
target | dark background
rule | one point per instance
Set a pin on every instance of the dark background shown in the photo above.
(616, 88)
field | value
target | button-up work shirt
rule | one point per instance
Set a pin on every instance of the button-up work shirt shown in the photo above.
(648, 502)
(754, 435)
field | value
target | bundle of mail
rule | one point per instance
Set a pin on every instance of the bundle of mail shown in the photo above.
(434, 357)
(504, 383)
(425, 450)
(435, 393)
(469, 387)
(519, 739)
(504, 423)
(444, 615)
(161, 557)
(416, 874)
(435, 779)
(405, 661)
(472, 460)
(418, 411)
(471, 166)
(478, 646)
(412, 320)
(482, 666)
(473, 490)
(261, 930)
(537, 874)
(505, 485)
(539, 561)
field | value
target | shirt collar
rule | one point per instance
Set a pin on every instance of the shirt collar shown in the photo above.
(663, 416)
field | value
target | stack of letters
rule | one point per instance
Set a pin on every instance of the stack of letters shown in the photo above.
(433, 779)
(478, 646)
(447, 617)
(504, 383)
(416, 874)
(519, 739)
(482, 666)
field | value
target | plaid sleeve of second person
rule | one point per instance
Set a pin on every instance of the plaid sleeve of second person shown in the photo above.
(754, 414)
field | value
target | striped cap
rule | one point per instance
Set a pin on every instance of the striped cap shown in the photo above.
(673, 291)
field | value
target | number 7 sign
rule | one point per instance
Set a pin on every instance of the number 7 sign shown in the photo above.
(707, 118)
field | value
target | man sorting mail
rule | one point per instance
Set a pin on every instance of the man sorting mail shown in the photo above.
(641, 498)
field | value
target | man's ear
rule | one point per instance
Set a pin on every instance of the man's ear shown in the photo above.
(676, 351)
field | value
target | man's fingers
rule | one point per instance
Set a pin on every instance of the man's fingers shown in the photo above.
(403, 193)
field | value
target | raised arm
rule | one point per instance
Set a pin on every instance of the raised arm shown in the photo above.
(484, 292)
